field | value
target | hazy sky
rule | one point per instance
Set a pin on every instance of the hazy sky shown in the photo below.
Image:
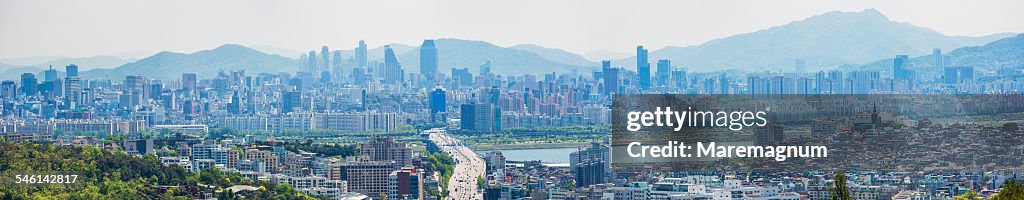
(87, 28)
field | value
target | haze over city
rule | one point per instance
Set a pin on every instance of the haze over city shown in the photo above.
(511, 100)
(594, 29)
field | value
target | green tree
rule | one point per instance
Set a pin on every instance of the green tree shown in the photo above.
(969, 195)
(1012, 190)
(839, 191)
(481, 182)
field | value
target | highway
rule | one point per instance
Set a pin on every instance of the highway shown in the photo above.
(468, 166)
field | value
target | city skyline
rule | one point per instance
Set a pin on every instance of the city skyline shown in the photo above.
(441, 100)
(212, 24)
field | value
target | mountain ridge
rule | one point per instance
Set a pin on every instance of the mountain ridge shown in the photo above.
(205, 63)
(830, 39)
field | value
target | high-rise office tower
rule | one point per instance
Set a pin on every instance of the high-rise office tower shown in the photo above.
(950, 75)
(392, 69)
(664, 72)
(438, 101)
(359, 75)
(29, 84)
(899, 68)
(8, 89)
(679, 79)
(937, 56)
(156, 89)
(336, 63)
(50, 74)
(428, 59)
(311, 62)
(485, 68)
(611, 77)
(643, 68)
(72, 90)
(303, 62)
(462, 76)
(326, 57)
(723, 82)
(234, 107)
(361, 55)
(71, 70)
(290, 100)
(966, 74)
(133, 83)
(189, 83)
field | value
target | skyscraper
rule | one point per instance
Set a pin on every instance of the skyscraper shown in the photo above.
(50, 74)
(325, 55)
(71, 70)
(899, 68)
(156, 89)
(189, 83)
(723, 82)
(611, 77)
(290, 100)
(234, 107)
(29, 84)
(937, 56)
(303, 62)
(8, 89)
(438, 101)
(643, 68)
(392, 69)
(664, 72)
(428, 59)
(679, 79)
(336, 63)
(311, 62)
(485, 68)
(72, 90)
(361, 54)
(462, 76)
(133, 83)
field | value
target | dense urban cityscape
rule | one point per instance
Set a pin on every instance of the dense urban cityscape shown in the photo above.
(343, 125)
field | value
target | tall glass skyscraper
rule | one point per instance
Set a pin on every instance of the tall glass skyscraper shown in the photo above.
(664, 72)
(392, 70)
(326, 57)
(428, 59)
(71, 70)
(643, 68)
(361, 54)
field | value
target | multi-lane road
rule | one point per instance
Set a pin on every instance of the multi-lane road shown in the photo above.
(468, 166)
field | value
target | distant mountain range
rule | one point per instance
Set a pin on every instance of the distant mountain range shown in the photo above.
(12, 71)
(825, 40)
(1006, 52)
(556, 55)
(456, 53)
(375, 53)
(170, 65)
